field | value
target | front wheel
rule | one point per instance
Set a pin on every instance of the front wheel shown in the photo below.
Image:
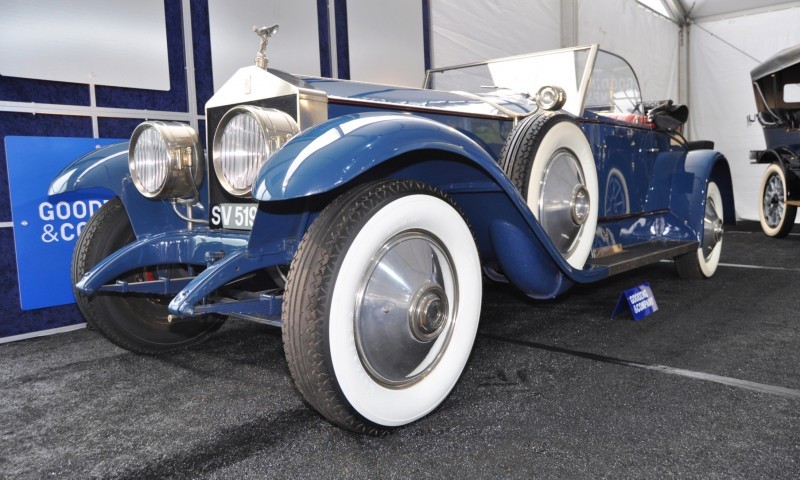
(704, 262)
(382, 305)
(135, 322)
(777, 218)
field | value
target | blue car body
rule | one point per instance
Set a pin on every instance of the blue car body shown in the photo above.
(440, 138)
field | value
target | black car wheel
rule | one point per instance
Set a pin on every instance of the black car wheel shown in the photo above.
(777, 218)
(134, 322)
(382, 305)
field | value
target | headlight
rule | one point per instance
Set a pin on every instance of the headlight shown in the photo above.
(551, 98)
(245, 138)
(165, 160)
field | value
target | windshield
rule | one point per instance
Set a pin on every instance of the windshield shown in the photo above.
(521, 76)
(613, 88)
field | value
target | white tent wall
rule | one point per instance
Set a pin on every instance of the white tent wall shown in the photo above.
(466, 31)
(721, 55)
(648, 41)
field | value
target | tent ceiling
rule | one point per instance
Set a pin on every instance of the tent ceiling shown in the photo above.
(709, 8)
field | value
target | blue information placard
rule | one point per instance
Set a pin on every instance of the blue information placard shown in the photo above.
(640, 300)
(46, 229)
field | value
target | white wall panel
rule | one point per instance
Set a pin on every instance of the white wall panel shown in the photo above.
(722, 53)
(386, 41)
(294, 49)
(470, 31)
(121, 44)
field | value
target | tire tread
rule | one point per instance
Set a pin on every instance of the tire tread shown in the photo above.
(521, 146)
(309, 291)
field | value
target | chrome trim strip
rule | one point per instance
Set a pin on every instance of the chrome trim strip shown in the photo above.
(93, 104)
(494, 105)
(414, 108)
(188, 54)
(587, 73)
(513, 57)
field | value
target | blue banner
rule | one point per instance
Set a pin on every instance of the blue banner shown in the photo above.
(46, 229)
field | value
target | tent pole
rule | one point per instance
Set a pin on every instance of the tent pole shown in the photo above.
(569, 23)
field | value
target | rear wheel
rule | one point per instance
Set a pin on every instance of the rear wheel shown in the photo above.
(777, 218)
(704, 262)
(134, 322)
(382, 306)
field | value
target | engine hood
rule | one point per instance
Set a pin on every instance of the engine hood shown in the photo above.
(338, 90)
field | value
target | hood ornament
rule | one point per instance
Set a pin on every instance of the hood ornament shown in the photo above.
(264, 33)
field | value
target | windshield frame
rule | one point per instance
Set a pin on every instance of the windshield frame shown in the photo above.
(592, 50)
(635, 77)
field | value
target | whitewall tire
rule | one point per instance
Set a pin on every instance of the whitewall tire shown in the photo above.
(776, 217)
(704, 262)
(382, 306)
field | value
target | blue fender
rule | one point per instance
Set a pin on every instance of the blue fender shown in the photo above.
(336, 152)
(104, 168)
(107, 169)
(690, 186)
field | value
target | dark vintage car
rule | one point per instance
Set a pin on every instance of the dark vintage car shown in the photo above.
(776, 85)
(362, 219)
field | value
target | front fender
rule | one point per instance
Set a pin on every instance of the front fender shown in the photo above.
(338, 151)
(105, 168)
(335, 152)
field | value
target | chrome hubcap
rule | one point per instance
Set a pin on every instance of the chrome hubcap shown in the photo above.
(427, 314)
(713, 229)
(773, 201)
(579, 205)
(404, 309)
(564, 202)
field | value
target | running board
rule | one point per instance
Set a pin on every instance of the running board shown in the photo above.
(635, 256)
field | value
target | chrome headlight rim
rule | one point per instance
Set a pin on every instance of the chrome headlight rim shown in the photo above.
(275, 129)
(183, 160)
(551, 97)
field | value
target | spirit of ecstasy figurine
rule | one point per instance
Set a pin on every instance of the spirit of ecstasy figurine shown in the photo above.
(264, 33)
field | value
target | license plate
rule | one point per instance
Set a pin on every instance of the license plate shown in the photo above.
(238, 216)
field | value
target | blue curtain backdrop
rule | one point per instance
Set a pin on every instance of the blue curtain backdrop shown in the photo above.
(15, 321)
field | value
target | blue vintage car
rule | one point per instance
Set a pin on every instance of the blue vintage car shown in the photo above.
(363, 218)
(776, 86)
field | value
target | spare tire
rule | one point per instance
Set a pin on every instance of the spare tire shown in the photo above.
(549, 160)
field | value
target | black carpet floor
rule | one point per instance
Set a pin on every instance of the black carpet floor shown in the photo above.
(707, 387)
